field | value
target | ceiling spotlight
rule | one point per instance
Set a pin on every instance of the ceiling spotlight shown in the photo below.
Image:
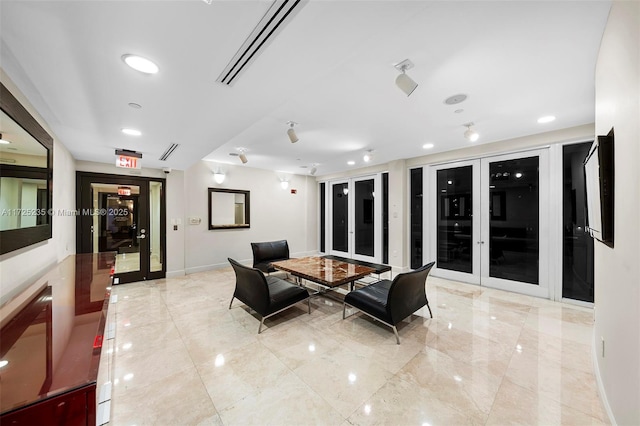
(131, 132)
(471, 135)
(314, 169)
(292, 133)
(546, 119)
(4, 141)
(368, 156)
(403, 81)
(141, 64)
(242, 155)
(219, 176)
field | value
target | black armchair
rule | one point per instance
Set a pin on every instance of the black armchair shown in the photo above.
(392, 301)
(266, 295)
(267, 252)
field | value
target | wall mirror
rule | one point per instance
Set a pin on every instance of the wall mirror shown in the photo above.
(26, 171)
(228, 208)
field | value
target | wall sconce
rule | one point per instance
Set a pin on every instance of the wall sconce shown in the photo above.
(470, 134)
(284, 184)
(218, 176)
(368, 156)
(345, 190)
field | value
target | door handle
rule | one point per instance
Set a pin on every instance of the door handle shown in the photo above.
(141, 237)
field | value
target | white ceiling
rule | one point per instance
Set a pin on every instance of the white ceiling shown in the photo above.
(330, 69)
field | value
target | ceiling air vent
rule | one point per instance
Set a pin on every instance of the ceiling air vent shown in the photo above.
(278, 15)
(169, 151)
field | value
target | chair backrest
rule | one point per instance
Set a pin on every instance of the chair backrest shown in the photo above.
(407, 293)
(251, 287)
(269, 250)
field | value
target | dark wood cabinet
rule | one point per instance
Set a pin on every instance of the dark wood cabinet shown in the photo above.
(50, 349)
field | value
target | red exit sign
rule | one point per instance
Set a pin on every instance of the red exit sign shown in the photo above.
(123, 190)
(128, 162)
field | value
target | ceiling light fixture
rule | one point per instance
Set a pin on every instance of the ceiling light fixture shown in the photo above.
(470, 134)
(291, 132)
(218, 176)
(141, 64)
(131, 132)
(427, 146)
(314, 169)
(351, 162)
(242, 155)
(546, 119)
(368, 156)
(4, 141)
(403, 81)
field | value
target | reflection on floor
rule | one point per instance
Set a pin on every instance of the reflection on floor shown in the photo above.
(129, 262)
(487, 357)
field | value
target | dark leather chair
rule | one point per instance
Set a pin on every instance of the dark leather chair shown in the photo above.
(392, 301)
(267, 252)
(266, 295)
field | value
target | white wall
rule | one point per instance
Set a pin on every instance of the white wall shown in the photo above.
(275, 214)
(20, 268)
(617, 270)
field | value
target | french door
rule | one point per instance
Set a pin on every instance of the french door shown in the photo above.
(355, 216)
(490, 221)
(124, 215)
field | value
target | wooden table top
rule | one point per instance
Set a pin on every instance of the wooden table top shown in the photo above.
(328, 272)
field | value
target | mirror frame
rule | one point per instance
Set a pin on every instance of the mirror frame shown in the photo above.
(247, 209)
(14, 239)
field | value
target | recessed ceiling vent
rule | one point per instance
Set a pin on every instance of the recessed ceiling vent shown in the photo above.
(169, 151)
(276, 18)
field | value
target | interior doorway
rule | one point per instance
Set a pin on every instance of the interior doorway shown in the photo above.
(124, 215)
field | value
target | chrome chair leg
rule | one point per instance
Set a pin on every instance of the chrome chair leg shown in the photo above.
(261, 324)
(344, 309)
(231, 302)
(395, 331)
(309, 303)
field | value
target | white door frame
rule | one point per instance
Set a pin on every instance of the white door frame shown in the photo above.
(377, 218)
(432, 221)
(480, 232)
(542, 289)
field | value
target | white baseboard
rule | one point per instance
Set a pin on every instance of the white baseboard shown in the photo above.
(596, 370)
(173, 274)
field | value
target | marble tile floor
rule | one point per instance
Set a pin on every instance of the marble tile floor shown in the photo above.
(488, 357)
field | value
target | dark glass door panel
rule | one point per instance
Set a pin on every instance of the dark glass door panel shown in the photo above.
(416, 218)
(323, 219)
(340, 217)
(364, 217)
(577, 253)
(514, 221)
(455, 219)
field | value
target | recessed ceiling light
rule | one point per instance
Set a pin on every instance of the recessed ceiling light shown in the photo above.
(135, 105)
(427, 146)
(546, 119)
(455, 99)
(131, 132)
(458, 111)
(141, 64)
(351, 163)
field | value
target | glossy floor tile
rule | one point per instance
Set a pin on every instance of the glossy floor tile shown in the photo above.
(487, 357)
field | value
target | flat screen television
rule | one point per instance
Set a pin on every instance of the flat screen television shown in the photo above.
(599, 173)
